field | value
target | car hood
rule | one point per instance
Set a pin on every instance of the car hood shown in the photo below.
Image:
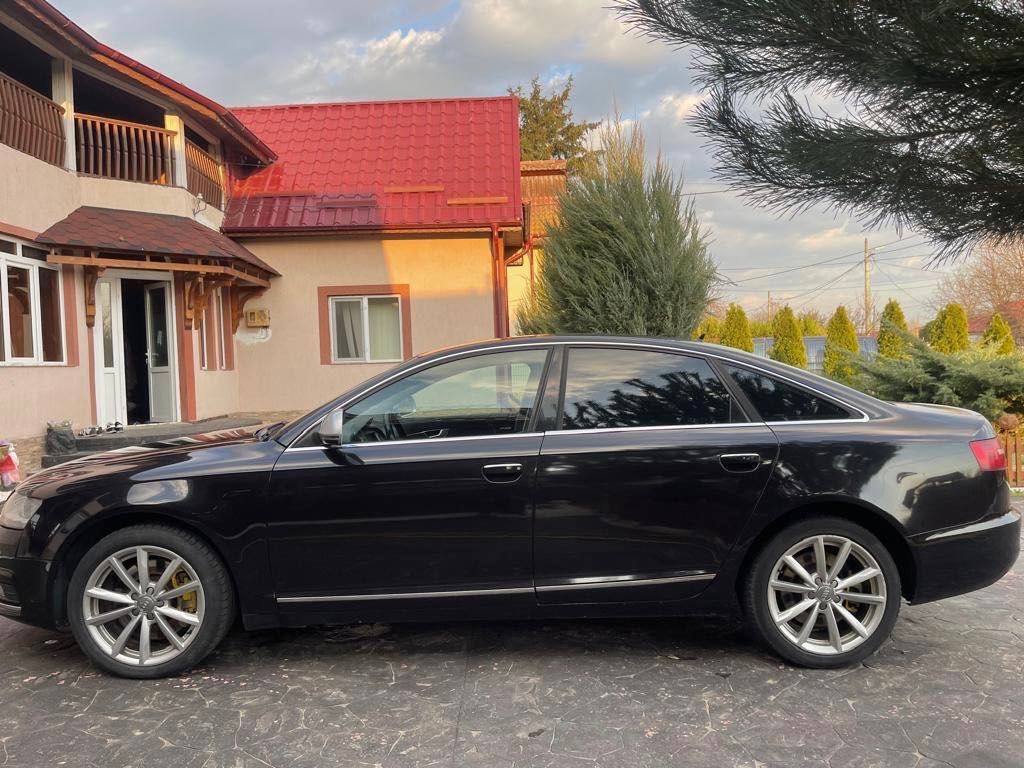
(183, 457)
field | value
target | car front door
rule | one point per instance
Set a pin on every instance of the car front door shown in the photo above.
(430, 493)
(646, 476)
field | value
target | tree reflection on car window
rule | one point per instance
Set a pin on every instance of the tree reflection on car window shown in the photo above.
(778, 401)
(630, 388)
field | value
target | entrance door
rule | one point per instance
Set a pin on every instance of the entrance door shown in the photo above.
(108, 338)
(158, 352)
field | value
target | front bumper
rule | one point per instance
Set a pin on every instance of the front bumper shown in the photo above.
(964, 559)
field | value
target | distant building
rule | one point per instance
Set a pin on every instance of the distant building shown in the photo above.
(815, 346)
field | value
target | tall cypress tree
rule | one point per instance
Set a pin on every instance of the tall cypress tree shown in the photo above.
(736, 329)
(929, 119)
(891, 343)
(628, 254)
(999, 336)
(840, 346)
(788, 346)
(708, 330)
(950, 332)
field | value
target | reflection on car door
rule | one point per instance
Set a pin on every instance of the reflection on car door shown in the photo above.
(431, 491)
(646, 480)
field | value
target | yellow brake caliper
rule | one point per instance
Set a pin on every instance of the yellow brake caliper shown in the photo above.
(190, 600)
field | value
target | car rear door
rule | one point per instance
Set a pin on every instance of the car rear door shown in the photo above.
(430, 494)
(648, 471)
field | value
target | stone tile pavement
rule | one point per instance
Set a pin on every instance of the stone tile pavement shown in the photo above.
(947, 690)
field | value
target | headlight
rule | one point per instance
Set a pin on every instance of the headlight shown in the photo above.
(18, 510)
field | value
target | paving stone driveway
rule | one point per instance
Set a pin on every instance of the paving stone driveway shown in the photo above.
(948, 690)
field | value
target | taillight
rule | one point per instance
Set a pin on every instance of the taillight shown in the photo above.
(990, 454)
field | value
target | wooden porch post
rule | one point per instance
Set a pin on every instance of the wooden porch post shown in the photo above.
(63, 88)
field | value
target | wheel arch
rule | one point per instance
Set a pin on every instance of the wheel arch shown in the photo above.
(82, 538)
(878, 523)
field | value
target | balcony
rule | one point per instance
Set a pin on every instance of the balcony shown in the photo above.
(106, 147)
(30, 122)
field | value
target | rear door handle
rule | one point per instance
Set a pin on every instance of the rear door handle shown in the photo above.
(740, 462)
(502, 473)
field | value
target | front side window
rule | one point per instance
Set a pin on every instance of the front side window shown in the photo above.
(483, 395)
(31, 310)
(606, 388)
(366, 329)
(776, 400)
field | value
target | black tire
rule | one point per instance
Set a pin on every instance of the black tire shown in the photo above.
(218, 592)
(755, 588)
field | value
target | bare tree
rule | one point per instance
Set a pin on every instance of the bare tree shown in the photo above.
(990, 280)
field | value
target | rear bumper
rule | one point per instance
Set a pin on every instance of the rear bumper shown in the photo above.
(964, 559)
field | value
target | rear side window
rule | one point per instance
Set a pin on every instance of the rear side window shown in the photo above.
(631, 388)
(777, 400)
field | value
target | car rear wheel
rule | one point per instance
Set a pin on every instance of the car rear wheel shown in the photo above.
(149, 601)
(824, 592)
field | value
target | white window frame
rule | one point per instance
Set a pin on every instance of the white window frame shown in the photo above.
(204, 352)
(365, 315)
(33, 265)
(219, 326)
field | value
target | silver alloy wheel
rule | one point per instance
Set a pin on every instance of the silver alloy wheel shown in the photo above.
(827, 595)
(143, 605)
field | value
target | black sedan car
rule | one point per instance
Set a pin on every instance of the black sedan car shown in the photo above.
(529, 478)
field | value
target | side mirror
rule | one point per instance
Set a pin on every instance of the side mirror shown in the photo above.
(331, 428)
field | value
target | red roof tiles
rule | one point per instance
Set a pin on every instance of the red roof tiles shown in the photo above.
(382, 165)
(152, 233)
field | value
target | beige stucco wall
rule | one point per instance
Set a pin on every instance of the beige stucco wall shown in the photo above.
(519, 286)
(449, 280)
(216, 391)
(32, 395)
(34, 195)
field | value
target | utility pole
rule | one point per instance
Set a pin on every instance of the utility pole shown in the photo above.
(867, 289)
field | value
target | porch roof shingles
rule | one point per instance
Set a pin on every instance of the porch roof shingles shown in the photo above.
(417, 164)
(149, 233)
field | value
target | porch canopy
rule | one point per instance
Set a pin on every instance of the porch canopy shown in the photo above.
(109, 238)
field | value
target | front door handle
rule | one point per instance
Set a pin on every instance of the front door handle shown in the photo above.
(502, 473)
(740, 462)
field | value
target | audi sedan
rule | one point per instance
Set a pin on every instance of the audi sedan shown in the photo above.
(528, 478)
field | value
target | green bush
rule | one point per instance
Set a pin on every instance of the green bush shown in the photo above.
(892, 328)
(978, 378)
(841, 346)
(736, 329)
(709, 329)
(949, 332)
(998, 336)
(789, 341)
(626, 254)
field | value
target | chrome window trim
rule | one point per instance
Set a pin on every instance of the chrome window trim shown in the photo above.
(422, 441)
(612, 344)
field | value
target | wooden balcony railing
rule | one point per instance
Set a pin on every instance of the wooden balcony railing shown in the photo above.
(115, 149)
(205, 175)
(30, 122)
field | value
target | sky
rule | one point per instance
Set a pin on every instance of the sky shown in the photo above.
(246, 52)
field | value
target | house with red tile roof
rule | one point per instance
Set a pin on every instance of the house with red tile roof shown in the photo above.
(166, 259)
(390, 224)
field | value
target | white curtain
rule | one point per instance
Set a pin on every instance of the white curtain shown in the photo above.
(348, 329)
(385, 325)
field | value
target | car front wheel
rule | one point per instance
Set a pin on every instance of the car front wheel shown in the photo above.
(149, 600)
(824, 592)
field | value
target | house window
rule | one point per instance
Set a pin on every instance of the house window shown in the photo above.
(31, 307)
(366, 328)
(214, 336)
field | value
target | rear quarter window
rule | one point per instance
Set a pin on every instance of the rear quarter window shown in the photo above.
(777, 400)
